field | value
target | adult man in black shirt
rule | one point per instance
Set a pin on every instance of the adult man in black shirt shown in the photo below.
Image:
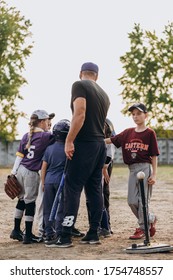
(86, 153)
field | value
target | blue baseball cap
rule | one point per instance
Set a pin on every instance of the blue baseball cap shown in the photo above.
(89, 66)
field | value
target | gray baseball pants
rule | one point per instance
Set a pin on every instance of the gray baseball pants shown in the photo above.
(134, 194)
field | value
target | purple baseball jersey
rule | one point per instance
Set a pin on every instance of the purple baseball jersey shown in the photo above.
(32, 157)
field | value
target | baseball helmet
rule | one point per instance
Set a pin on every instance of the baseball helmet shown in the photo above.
(61, 129)
(109, 128)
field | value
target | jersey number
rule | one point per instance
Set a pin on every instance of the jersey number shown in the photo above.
(31, 152)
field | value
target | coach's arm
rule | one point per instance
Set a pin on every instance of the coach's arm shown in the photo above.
(78, 118)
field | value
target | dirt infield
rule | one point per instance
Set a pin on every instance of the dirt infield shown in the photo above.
(123, 224)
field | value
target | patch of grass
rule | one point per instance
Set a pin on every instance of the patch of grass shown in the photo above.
(119, 197)
(120, 170)
(164, 172)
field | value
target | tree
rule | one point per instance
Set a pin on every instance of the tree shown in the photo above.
(148, 76)
(14, 49)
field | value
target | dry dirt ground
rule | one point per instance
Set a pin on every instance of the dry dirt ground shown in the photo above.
(123, 224)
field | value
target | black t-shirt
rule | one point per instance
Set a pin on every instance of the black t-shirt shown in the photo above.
(97, 105)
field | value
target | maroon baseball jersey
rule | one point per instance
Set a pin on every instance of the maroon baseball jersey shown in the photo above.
(137, 147)
(32, 157)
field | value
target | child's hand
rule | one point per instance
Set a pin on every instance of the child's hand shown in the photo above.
(107, 141)
(152, 180)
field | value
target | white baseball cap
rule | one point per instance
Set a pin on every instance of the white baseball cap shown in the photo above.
(41, 114)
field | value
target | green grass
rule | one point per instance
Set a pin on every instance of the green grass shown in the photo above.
(164, 172)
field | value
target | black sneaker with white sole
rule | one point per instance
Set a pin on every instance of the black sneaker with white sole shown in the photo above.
(76, 233)
(60, 242)
(50, 238)
(16, 235)
(51, 242)
(103, 232)
(32, 239)
(90, 238)
(36, 239)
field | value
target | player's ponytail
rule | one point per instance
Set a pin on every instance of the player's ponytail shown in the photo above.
(33, 124)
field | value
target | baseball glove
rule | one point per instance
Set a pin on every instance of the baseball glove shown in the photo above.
(12, 187)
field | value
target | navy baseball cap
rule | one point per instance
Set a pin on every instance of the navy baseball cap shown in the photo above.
(89, 66)
(141, 107)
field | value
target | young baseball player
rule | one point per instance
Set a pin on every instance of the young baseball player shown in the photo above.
(39, 202)
(51, 172)
(26, 167)
(53, 165)
(140, 151)
(105, 227)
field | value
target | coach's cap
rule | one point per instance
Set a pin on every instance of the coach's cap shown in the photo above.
(51, 116)
(41, 114)
(141, 107)
(89, 66)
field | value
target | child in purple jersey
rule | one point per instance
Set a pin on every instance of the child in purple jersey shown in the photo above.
(39, 202)
(140, 151)
(26, 167)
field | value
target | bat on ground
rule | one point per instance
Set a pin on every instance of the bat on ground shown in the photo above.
(56, 203)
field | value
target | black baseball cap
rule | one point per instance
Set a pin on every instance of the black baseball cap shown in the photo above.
(90, 66)
(141, 107)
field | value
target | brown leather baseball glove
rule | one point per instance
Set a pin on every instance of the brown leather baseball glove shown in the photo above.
(12, 187)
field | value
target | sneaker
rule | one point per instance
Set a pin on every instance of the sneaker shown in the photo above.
(43, 236)
(104, 232)
(53, 241)
(27, 239)
(36, 239)
(60, 242)
(153, 228)
(90, 238)
(32, 239)
(50, 238)
(16, 235)
(76, 233)
(139, 233)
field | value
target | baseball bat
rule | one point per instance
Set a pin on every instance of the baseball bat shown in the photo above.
(58, 195)
(141, 182)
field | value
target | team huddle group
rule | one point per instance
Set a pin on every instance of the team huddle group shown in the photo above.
(81, 151)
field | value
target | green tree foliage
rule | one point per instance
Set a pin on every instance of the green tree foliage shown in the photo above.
(148, 76)
(163, 133)
(14, 49)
